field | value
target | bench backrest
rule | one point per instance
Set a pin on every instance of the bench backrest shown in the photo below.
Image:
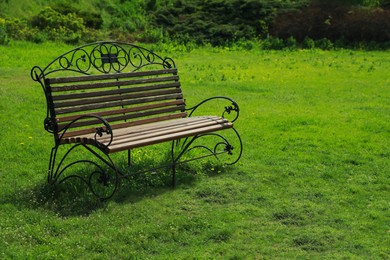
(123, 99)
(123, 83)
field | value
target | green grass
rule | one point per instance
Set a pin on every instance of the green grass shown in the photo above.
(313, 181)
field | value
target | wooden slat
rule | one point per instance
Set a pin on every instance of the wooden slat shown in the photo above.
(167, 137)
(125, 124)
(158, 126)
(99, 100)
(124, 117)
(154, 129)
(97, 85)
(61, 80)
(117, 103)
(179, 102)
(132, 137)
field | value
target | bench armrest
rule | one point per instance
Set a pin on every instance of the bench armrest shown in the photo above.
(100, 131)
(228, 109)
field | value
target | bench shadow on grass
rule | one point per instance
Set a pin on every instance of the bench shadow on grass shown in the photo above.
(72, 198)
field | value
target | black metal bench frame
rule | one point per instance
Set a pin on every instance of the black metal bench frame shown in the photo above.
(104, 61)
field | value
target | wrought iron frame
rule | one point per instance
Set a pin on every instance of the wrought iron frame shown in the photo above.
(116, 57)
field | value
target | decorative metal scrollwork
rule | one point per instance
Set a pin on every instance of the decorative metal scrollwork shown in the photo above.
(75, 61)
(49, 125)
(104, 57)
(105, 129)
(168, 63)
(97, 181)
(228, 109)
(36, 71)
(223, 146)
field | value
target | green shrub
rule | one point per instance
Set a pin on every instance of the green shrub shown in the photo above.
(219, 22)
(17, 29)
(334, 20)
(245, 44)
(308, 43)
(324, 44)
(4, 39)
(93, 35)
(37, 36)
(59, 27)
(91, 20)
(291, 43)
(152, 35)
(49, 19)
(128, 16)
(272, 43)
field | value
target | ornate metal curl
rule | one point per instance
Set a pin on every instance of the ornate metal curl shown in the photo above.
(56, 170)
(109, 58)
(168, 63)
(224, 142)
(78, 61)
(35, 73)
(105, 57)
(99, 130)
(55, 173)
(228, 109)
(49, 125)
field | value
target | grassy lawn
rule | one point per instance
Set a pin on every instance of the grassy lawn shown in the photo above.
(313, 181)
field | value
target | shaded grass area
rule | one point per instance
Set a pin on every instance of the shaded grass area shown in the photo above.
(313, 181)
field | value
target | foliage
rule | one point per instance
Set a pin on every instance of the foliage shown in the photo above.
(203, 22)
(219, 22)
(59, 27)
(4, 38)
(90, 19)
(18, 29)
(334, 20)
(125, 16)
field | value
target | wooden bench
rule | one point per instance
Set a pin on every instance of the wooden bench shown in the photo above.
(110, 97)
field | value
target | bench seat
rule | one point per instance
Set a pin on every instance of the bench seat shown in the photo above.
(153, 133)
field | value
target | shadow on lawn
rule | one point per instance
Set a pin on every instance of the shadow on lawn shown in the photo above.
(74, 199)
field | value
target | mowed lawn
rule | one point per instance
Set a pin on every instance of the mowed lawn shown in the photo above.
(313, 181)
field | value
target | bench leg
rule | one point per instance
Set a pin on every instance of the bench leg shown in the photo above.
(129, 158)
(173, 164)
(99, 176)
(173, 175)
(230, 145)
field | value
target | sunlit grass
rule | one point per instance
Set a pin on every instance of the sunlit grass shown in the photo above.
(313, 181)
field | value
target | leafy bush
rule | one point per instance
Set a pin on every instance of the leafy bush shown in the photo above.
(324, 44)
(334, 20)
(59, 27)
(18, 29)
(366, 25)
(269, 24)
(93, 35)
(127, 16)
(4, 39)
(49, 19)
(291, 43)
(308, 43)
(90, 19)
(218, 22)
(272, 43)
